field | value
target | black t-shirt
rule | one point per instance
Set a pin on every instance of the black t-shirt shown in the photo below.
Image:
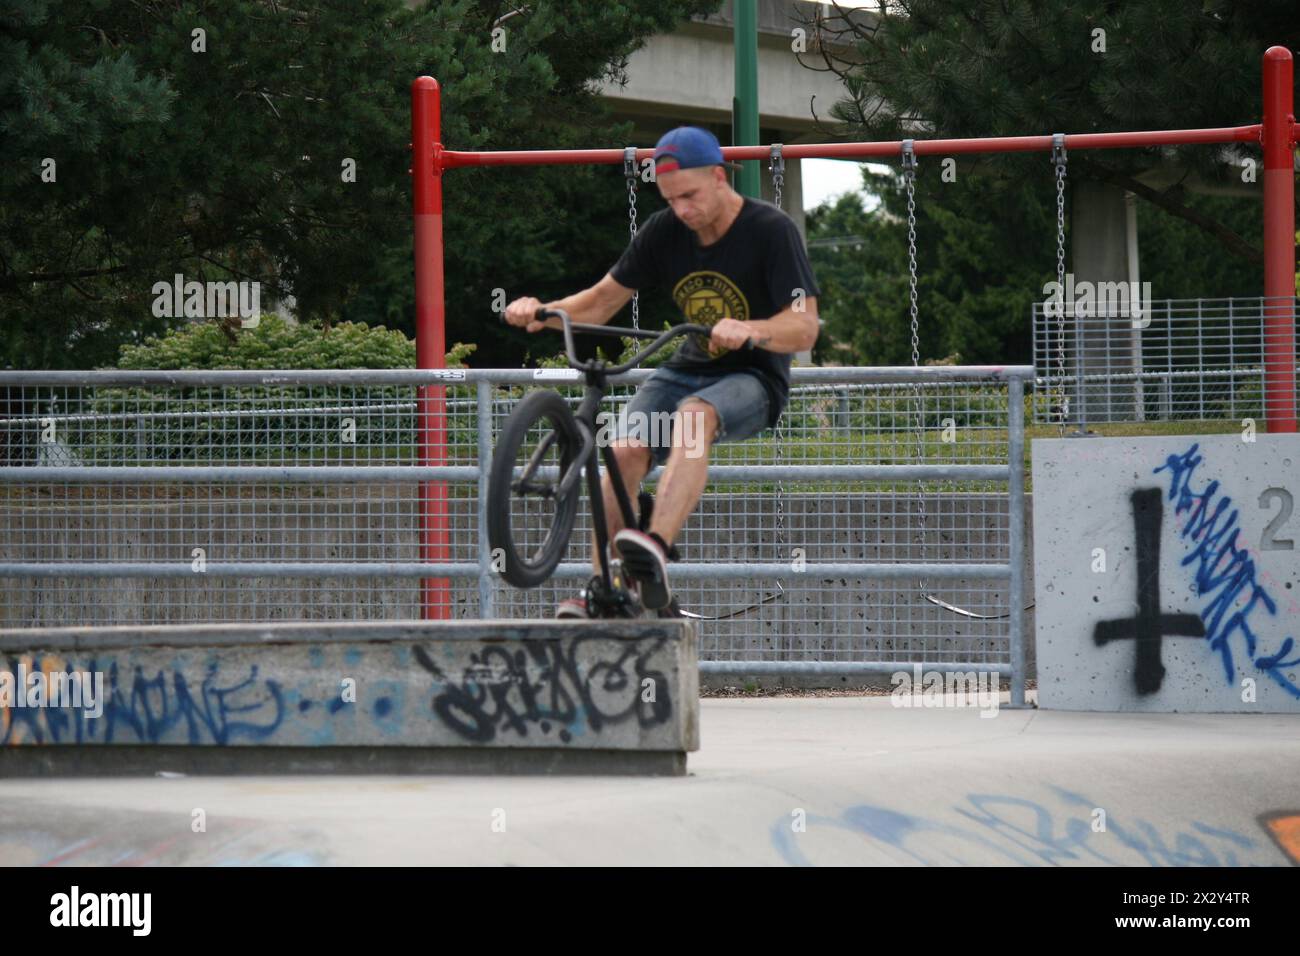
(755, 270)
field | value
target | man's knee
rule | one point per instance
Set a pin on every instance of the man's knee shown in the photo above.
(700, 423)
(632, 457)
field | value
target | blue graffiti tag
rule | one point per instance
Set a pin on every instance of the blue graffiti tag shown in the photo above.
(1016, 830)
(144, 709)
(1225, 568)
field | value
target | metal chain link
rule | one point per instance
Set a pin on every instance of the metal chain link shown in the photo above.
(778, 438)
(776, 166)
(629, 171)
(909, 180)
(1059, 159)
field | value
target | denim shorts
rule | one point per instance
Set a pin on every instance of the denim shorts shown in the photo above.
(739, 398)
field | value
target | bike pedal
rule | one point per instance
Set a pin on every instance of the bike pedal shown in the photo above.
(618, 573)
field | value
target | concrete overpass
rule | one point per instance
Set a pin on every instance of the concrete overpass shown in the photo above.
(688, 77)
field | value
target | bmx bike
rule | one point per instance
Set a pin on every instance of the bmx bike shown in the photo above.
(540, 458)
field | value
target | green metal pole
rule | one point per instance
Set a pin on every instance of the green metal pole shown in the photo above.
(745, 102)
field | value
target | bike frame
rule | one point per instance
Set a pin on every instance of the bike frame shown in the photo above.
(597, 372)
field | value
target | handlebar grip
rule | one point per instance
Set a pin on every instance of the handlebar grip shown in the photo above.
(543, 313)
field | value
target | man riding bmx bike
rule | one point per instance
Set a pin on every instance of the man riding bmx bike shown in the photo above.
(730, 262)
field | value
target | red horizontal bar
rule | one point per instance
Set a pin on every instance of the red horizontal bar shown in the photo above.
(924, 147)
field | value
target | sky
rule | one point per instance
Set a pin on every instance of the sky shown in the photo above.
(829, 178)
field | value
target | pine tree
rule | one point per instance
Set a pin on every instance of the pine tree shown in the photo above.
(210, 140)
(968, 68)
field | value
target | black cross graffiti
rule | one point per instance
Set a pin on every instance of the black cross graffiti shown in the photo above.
(1150, 627)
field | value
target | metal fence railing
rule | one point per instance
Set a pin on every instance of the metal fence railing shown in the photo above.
(179, 497)
(1166, 360)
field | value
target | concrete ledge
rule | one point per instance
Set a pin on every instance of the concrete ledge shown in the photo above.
(115, 760)
(389, 697)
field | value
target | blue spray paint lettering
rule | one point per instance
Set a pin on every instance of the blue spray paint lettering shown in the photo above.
(159, 709)
(1005, 828)
(1225, 568)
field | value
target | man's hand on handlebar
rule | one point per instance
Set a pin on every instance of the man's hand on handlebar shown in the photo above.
(523, 313)
(733, 334)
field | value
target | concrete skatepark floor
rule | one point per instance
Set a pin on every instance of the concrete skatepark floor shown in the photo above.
(778, 781)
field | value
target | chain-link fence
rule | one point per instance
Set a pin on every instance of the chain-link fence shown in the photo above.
(882, 527)
(1122, 360)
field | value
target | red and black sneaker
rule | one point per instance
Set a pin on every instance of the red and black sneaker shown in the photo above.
(573, 607)
(645, 559)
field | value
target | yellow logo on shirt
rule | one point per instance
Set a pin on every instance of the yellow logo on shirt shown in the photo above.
(706, 297)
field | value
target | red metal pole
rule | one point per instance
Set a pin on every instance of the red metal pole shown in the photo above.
(887, 150)
(430, 334)
(1279, 241)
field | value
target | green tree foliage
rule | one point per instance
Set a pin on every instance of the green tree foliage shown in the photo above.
(956, 68)
(227, 161)
(981, 265)
(978, 271)
(986, 240)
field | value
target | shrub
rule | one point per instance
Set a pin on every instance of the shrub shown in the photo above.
(268, 424)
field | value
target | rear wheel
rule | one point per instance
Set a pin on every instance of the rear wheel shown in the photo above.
(529, 523)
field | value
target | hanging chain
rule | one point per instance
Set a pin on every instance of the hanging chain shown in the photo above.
(629, 172)
(909, 180)
(776, 164)
(1059, 160)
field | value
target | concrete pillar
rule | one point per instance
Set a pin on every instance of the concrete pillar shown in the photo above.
(1103, 341)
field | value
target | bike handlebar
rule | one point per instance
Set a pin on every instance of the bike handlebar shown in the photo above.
(660, 338)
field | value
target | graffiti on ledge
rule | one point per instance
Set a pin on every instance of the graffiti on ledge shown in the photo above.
(548, 692)
(542, 685)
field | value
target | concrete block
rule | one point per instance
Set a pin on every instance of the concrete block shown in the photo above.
(1167, 573)
(377, 697)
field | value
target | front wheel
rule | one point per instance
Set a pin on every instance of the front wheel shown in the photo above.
(529, 522)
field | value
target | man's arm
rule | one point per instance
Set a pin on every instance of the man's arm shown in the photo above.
(790, 330)
(593, 306)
